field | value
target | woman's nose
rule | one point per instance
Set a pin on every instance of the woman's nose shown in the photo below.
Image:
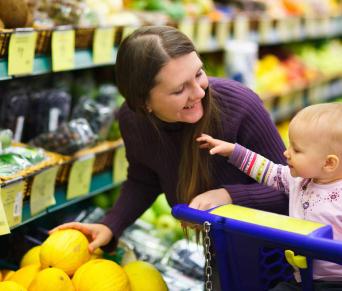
(286, 154)
(197, 92)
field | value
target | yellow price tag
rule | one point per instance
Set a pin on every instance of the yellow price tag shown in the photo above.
(4, 228)
(283, 29)
(63, 50)
(103, 45)
(120, 165)
(187, 27)
(203, 36)
(21, 52)
(222, 32)
(325, 25)
(265, 29)
(80, 177)
(241, 28)
(127, 30)
(12, 199)
(43, 190)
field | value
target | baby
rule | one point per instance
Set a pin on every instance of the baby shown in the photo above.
(312, 178)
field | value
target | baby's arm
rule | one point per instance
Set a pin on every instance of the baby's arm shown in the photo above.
(261, 169)
(254, 165)
(215, 146)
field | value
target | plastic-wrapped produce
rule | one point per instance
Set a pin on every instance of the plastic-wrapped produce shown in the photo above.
(146, 246)
(48, 109)
(187, 257)
(99, 116)
(14, 159)
(32, 155)
(6, 136)
(14, 110)
(67, 138)
(107, 95)
(11, 163)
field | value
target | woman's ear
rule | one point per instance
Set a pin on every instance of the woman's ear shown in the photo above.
(331, 163)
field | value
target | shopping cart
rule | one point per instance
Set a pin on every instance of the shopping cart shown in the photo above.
(250, 245)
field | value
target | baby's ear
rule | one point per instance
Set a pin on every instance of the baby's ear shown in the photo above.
(331, 163)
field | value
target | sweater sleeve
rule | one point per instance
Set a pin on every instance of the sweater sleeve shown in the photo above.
(257, 132)
(261, 169)
(139, 190)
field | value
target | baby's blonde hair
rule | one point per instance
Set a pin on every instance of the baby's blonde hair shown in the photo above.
(326, 121)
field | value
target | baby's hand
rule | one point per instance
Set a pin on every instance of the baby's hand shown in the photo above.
(215, 146)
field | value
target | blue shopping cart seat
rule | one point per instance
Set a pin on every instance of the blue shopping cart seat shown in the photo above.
(249, 245)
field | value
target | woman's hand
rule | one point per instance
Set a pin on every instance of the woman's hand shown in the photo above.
(211, 199)
(98, 234)
(215, 146)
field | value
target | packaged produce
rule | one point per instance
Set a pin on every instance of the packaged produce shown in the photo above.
(187, 257)
(146, 246)
(14, 159)
(48, 109)
(14, 110)
(67, 138)
(6, 136)
(99, 116)
(179, 281)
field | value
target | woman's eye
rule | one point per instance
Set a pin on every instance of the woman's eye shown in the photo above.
(180, 91)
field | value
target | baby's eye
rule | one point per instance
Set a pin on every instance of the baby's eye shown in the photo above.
(199, 74)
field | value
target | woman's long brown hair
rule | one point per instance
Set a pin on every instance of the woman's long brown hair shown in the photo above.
(140, 58)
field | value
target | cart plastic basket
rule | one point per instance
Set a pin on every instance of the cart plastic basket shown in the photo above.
(249, 245)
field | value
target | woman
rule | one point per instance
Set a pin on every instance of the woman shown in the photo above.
(169, 102)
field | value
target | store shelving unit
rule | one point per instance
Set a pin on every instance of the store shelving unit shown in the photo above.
(43, 63)
(100, 182)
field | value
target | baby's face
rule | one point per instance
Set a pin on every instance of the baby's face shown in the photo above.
(306, 153)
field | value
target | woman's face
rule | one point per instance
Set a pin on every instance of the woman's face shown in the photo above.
(180, 87)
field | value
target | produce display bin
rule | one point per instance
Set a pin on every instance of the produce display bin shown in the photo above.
(104, 154)
(249, 245)
(27, 175)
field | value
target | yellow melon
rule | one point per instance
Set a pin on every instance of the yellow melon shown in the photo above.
(11, 286)
(6, 274)
(52, 279)
(31, 257)
(97, 254)
(25, 275)
(100, 274)
(65, 249)
(144, 277)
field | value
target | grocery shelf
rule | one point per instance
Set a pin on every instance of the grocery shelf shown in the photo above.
(322, 80)
(100, 182)
(43, 63)
(320, 91)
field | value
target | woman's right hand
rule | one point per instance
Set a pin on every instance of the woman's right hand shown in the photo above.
(98, 234)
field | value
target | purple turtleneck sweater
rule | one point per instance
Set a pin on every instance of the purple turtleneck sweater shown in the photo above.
(154, 158)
